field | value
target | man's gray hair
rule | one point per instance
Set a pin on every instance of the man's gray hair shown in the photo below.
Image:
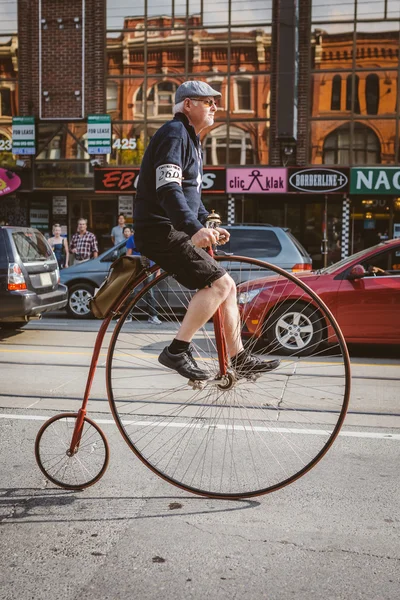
(178, 108)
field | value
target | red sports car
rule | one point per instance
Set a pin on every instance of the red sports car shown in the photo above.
(362, 291)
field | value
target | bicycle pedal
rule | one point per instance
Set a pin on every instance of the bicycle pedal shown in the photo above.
(197, 384)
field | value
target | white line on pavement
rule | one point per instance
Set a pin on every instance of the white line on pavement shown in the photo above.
(356, 434)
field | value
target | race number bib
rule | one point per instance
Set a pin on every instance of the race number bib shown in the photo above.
(167, 174)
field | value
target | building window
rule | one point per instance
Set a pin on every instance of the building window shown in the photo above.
(160, 99)
(349, 90)
(240, 147)
(5, 103)
(138, 103)
(112, 97)
(366, 146)
(336, 92)
(243, 94)
(217, 86)
(372, 94)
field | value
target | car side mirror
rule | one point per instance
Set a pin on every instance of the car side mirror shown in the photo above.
(357, 272)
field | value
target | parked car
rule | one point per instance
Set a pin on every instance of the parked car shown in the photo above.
(264, 242)
(362, 291)
(29, 277)
(276, 245)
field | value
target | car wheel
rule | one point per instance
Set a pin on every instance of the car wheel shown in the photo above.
(294, 329)
(78, 301)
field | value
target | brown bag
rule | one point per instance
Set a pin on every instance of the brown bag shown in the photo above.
(121, 277)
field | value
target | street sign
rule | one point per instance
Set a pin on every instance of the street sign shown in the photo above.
(375, 180)
(99, 134)
(319, 180)
(23, 135)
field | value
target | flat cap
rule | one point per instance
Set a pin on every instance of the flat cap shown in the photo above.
(195, 89)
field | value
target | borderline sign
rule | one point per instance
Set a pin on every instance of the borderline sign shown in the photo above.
(99, 134)
(375, 180)
(319, 180)
(23, 135)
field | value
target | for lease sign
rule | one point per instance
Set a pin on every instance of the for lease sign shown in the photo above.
(375, 180)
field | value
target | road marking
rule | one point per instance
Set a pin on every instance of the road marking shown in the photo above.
(356, 434)
(141, 354)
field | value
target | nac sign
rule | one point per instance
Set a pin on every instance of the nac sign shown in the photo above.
(375, 180)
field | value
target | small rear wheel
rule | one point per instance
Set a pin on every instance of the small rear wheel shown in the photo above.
(78, 470)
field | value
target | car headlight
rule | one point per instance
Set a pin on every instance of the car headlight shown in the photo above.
(249, 295)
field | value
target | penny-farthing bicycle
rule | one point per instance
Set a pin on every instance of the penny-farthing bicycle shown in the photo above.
(228, 437)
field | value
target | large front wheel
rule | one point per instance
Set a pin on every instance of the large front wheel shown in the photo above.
(245, 435)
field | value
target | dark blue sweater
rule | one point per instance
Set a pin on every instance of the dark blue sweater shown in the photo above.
(169, 188)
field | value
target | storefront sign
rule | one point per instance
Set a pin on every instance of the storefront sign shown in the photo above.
(256, 181)
(318, 180)
(59, 205)
(23, 135)
(214, 179)
(114, 180)
(9, 182)
(375, 180)
(99, 134)
(125, 206)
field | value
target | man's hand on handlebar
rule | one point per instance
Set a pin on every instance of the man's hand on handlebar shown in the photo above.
(224, 236)
(206, 237)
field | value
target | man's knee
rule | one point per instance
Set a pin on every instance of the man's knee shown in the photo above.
(224, 285)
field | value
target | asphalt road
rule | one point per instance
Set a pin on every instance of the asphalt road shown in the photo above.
(334, 534)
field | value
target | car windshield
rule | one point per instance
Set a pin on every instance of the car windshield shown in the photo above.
(349, 259)
(31, 246)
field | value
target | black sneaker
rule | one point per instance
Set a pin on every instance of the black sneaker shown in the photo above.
(249, 364)
(184, 364)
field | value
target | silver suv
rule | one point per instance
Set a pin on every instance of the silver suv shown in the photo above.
(275, 245)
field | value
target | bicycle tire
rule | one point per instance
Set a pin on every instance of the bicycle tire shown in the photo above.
(57, 465)
(132, 361)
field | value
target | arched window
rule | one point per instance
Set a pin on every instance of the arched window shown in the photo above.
(160, 99)
(336, 92)
(372, 94)
(240, 147)
(349, 89)
(366, 146)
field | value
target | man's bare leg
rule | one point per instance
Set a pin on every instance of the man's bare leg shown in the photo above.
(202, 307)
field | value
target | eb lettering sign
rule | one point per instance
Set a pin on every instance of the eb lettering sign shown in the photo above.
(115, 180)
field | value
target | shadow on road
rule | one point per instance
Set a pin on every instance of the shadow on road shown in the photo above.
(36, 505)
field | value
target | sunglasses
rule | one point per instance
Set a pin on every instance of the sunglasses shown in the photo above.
(206, 101)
